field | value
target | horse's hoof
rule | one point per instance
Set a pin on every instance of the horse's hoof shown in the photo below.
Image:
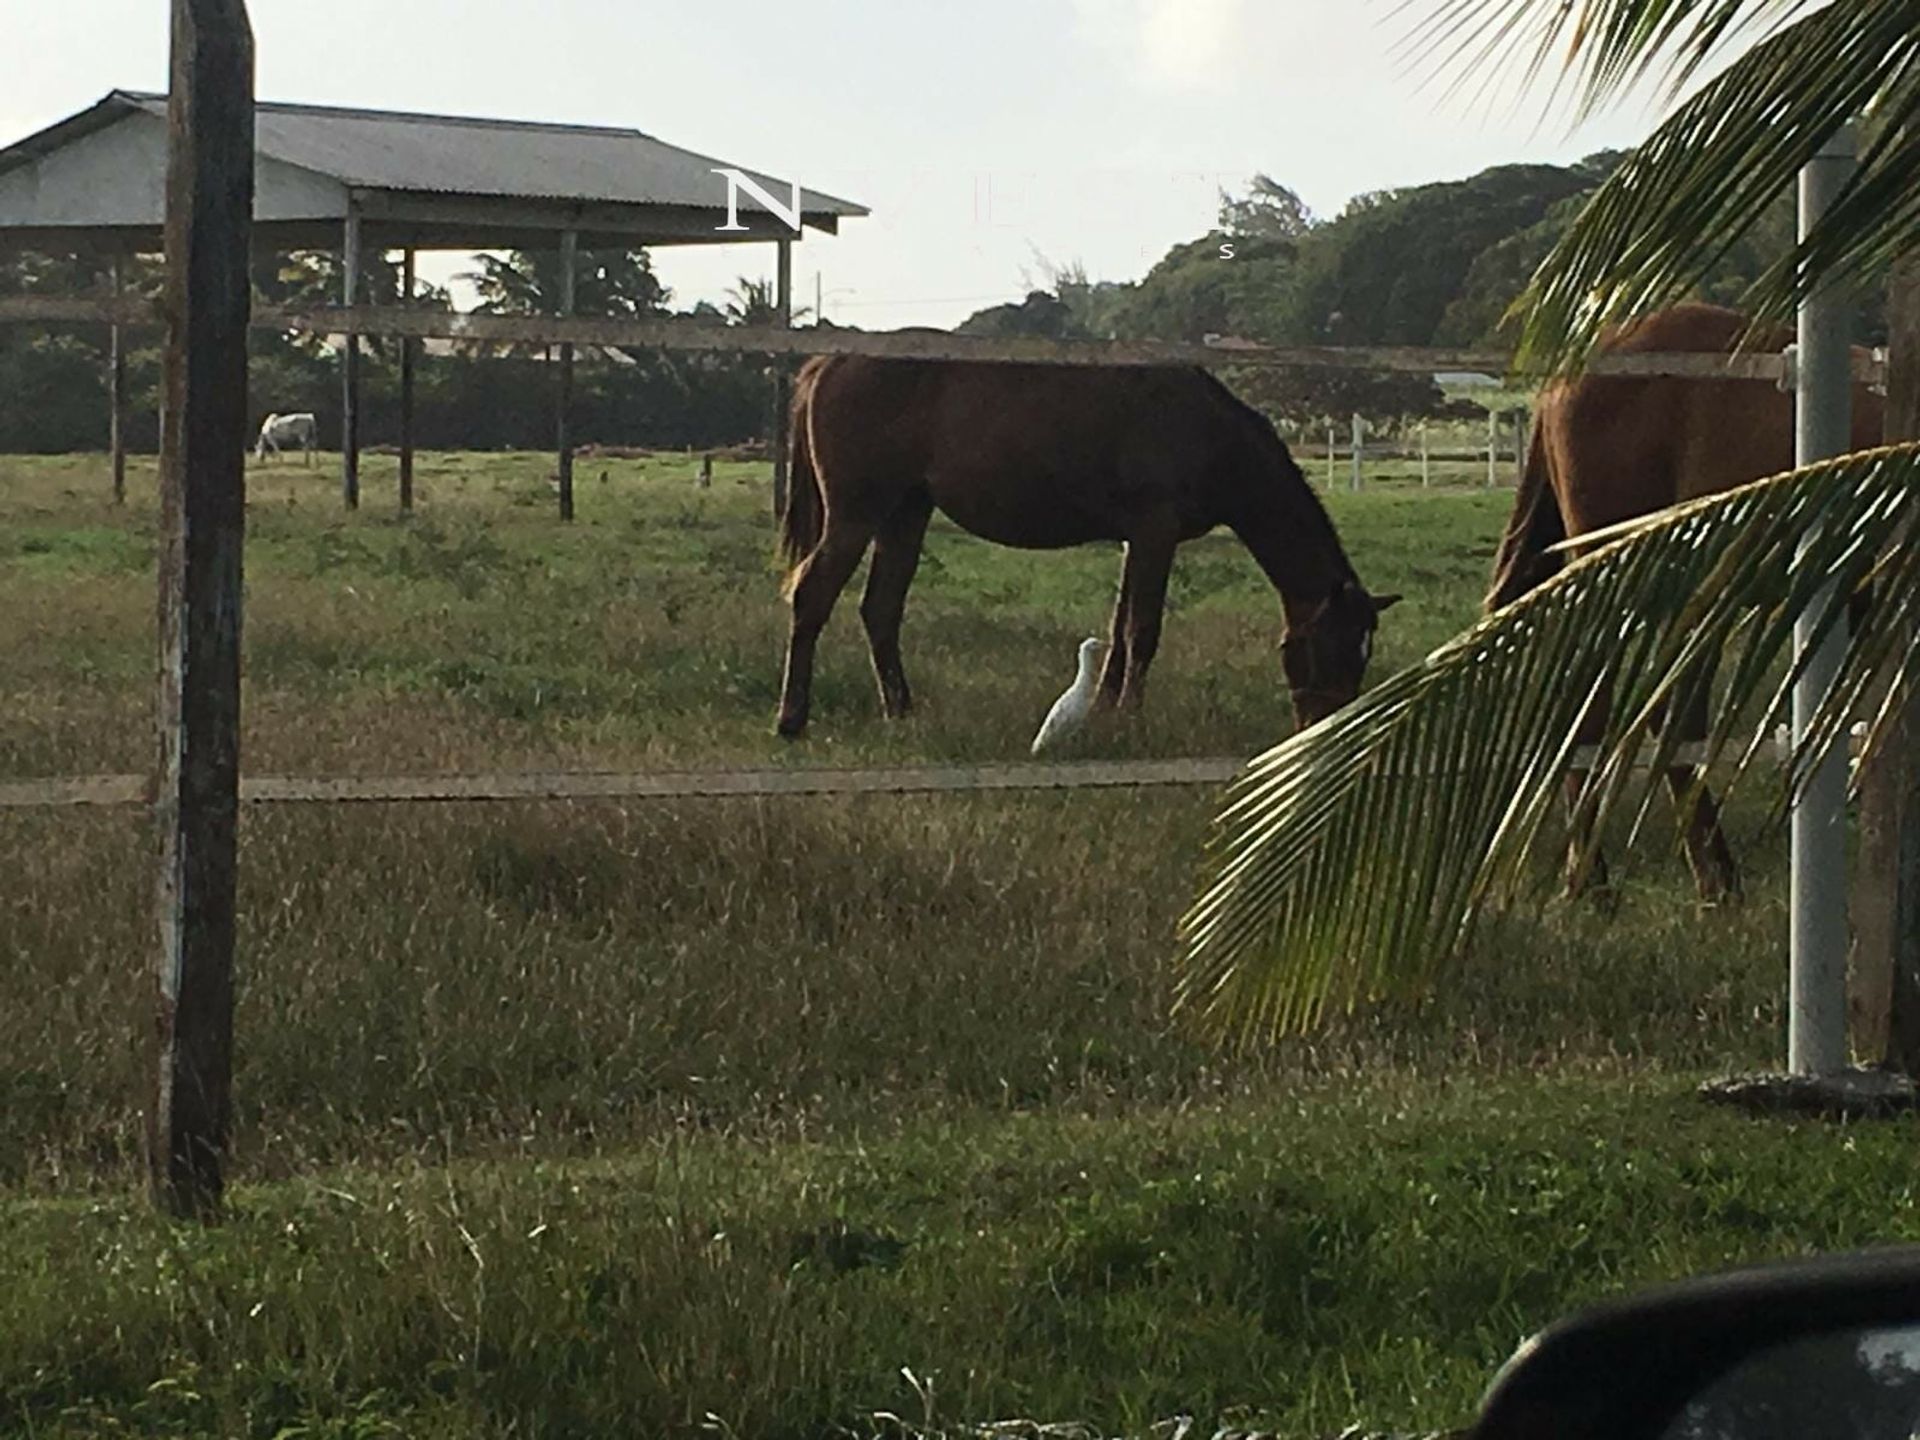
(788, 728)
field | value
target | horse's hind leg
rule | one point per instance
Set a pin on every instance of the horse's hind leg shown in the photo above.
(817, 582)
(896, 555)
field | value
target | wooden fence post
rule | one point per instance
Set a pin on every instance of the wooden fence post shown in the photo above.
(409, 350)
(782, 385)
(1359, 449)
(350, 362)
(563, 402)
(1885, 903)
(1426, 458)
(209, 219)
(1493, 446)
(117, 385)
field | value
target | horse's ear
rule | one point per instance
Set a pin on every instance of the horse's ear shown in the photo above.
(1384, 602)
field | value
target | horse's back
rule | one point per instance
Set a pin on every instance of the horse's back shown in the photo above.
(1624, 446)
(1030, 455)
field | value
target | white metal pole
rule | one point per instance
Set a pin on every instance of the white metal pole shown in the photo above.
(1359, 447)
(1329, 455)
(1426, 458)
(1823, 415)
(1493, 444)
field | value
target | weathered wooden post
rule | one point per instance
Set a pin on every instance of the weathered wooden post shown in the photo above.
(1885, 905)
(1426, 459)
(350, 362)
(117, 384)
(409, 350)
(1359, 450)
(1519, 447)
(782, 385)
(1493, 445)
(563, 399)
(1329, 454)
(209, 220)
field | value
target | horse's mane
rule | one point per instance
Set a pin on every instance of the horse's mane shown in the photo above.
(1301, 494)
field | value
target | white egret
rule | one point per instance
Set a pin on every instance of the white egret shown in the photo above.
(1070, 711)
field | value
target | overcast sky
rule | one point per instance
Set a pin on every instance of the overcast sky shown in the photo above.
(985, 135)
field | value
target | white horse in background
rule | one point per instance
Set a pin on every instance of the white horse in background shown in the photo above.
(278, 431)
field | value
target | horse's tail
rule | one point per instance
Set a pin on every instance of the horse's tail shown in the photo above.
(801, 522)
(1535, 525)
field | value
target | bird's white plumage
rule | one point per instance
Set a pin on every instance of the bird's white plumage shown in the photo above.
(1070, 711)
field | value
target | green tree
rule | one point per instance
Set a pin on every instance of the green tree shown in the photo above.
(1385, 272)
(1339, 874)
(616, 283)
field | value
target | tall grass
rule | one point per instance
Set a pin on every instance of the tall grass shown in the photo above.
(565, 1119)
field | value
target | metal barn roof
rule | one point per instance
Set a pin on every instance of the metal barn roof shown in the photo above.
(436, 181)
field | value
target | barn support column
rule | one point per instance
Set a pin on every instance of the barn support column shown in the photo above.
(1823, 411)
(209, 218)
(409, 349)
(117, 383)
(563, 403)
(777, 437)
(350, 363)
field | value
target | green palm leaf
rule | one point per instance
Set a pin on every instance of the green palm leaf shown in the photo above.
(1604, 46)
(1655, 228)
(1350, 861)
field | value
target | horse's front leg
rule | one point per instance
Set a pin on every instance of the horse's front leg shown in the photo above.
(1715, 875)
(1149, 565)
(1113, 673)
(1586, 867)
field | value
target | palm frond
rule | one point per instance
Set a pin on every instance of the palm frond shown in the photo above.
(1602, 47)
(1653, 230)
(1349, 862)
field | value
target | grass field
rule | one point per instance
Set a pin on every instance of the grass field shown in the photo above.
(774, 1118)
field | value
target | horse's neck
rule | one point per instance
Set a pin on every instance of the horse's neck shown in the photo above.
(1294, 544)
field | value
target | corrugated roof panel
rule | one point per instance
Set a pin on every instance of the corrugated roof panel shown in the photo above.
(391, 150)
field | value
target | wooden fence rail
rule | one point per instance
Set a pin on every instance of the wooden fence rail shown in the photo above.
(58, 792)
(904, 344)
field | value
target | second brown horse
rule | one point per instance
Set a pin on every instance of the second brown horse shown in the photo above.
(1608, 448)
(1044, 457)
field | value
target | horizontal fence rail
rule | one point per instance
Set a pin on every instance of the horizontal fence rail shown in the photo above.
(647, 785)
(373, 320)
(122, 790)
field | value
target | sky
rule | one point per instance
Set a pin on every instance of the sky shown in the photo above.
(991, 138)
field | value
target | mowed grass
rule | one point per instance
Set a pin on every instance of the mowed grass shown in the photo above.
(776, 1117)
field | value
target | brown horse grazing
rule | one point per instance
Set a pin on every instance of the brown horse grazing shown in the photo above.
(1043, 457)
(1609, 448)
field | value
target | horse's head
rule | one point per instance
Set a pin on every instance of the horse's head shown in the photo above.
(1327, 648)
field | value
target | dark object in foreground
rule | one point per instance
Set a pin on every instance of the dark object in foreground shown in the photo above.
(1806, 1349)
(1042, 457)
